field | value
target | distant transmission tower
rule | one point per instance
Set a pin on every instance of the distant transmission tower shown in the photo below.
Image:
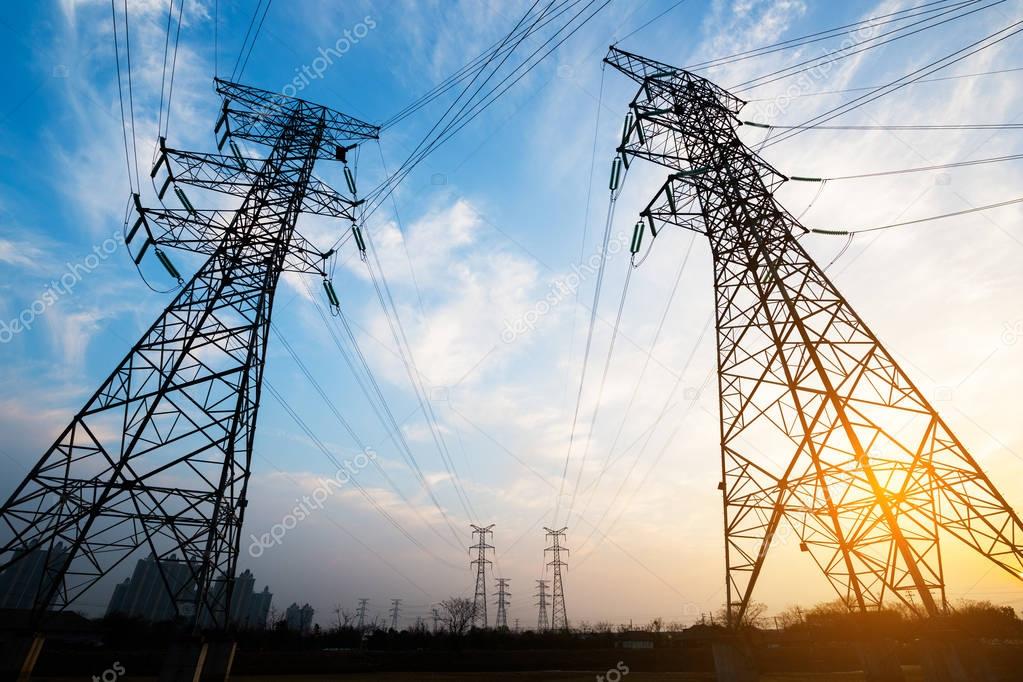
(559, 617)
(502, 604)
(158, 459)
(479, 601)
(543, 623)
(363, 603)
(395, 613)
(436, 621)
(871, 473)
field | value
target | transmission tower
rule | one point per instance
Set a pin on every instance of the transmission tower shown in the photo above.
(159, 457)
(363, 603)
(436, 620)
(502, 604)
(395, 613)
(559, 617)
(479, 601)
(870, 473)
(543, 623)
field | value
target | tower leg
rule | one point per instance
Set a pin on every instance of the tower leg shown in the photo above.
(733, 661)
(185, 661)
(219, 659)
(880, 661)
(19, 655)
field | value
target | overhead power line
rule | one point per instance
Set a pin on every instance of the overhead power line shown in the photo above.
(843, 91)
(817, 36)
(901, 82)
(904, 223)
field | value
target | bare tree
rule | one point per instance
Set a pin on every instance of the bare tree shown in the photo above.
(457, 614)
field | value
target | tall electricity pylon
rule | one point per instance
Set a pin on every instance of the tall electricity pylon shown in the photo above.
(870, 476)
(479, 601)
(395, 613)
(501, 623)
(543, 623)
(559, 617)
(159, 458)
(363, 603)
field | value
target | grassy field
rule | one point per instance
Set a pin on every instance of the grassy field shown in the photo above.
(912, 675)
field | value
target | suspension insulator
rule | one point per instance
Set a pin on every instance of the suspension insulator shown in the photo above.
(238, 155)
(350, 179)
(627, 128)
(183, 198)
(637, 237)
(328, 287)
(142, 251)
(167, 264)
(359, 241)
(616, 172)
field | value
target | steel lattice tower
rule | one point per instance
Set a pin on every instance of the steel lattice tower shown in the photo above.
(363, 604)
(479, 601)
(543, 622)
(559, 617)
(159, 457)
(501, 623)
(395, 613)
(871, 476)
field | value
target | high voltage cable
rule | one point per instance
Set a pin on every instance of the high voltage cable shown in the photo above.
(938, 126)
(600, 391)
(356, 438)
(383, 411)
(844, 52)
(457, 124)
(462, 73)
(800, 41)
(642, 26)
(917, 221)
(398, 333)
(598, 285)
(416, 155)
(297, 418)
(903, 171)
(120, 97)
(874, 87)
(643, 371)
(236, 72)
(903, 81)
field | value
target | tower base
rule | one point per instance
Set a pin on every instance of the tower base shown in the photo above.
(18, 655)
(733, 661)
(219, 659)
(880, 661)
(185, 661)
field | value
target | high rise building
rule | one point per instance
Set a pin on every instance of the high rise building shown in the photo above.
(143, 595)
(20, 582)
(299, 618)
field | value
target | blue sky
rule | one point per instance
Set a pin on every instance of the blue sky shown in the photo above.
(489, 224)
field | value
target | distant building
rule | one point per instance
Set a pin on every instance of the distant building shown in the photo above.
(144, 595)
(20, 583)
(299, 618)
